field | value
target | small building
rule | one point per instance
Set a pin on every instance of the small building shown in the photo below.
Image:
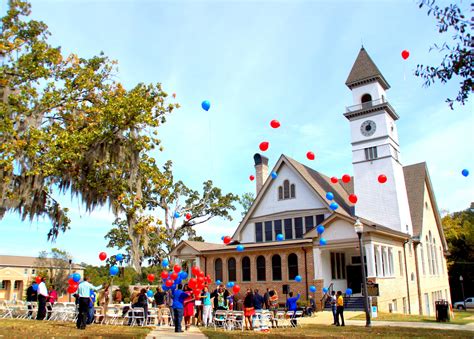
(403, 240)
(17, 273)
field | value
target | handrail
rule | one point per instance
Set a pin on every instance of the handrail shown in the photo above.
(326, 295)
(365, 105)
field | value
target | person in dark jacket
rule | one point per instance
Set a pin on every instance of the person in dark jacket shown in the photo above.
(249, 309)
(142, 303)
(31, 296)
(220, 296)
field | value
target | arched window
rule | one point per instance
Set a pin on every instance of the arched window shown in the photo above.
(276, 267)
(366, 98)
(246, 269)
(292, 266)
(428, 253)
(232, 269)
(286, 189)
(292, 190)
(435, 252)
(280, 193)
(261, 268)
(218, 269)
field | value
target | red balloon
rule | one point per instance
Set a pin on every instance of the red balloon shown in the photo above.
(236, 289)
(310, 155)
(346, 178)
(38, 279)
(71, 289)
(174, 275)
(169, 282)
(151, 277)
(382, 178)
(71, 281)
(334, 180)
(174, 95)
(275, 123)
(188, 216)
(195, 270)
(192, 282)
(197, 292)
(227, 239)
(200, 281)
(201, 274)
(252, 178)
(353, 198)
(264, 145)
(177, 268)
(102, 256)
(164, 274)
(405, 54)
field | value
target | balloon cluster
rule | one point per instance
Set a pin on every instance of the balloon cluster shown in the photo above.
(73, 282)
(173, 278)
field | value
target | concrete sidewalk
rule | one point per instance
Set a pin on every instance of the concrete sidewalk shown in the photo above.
(168, 332)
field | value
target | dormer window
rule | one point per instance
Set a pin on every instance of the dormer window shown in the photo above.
(287, 191)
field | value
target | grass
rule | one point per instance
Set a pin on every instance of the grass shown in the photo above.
(325, 331)
(459, 318)
(32, 328)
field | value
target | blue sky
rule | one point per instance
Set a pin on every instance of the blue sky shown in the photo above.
(258, 61)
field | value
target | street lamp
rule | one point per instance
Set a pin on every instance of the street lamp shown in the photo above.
(359, 228)
(462, 289)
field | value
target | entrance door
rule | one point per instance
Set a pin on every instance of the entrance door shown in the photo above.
(354, 278)
(427, 304)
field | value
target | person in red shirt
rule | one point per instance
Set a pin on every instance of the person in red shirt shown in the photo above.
(188, 306)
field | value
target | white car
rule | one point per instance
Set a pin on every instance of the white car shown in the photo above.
(460, 304)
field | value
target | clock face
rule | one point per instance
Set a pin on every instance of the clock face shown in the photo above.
(368, 128)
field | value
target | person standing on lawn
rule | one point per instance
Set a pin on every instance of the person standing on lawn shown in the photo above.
(84, 294)
(340, 309)
(42, 298)
(178, 308)
(32, 297)
(333, 307)
(292, 305)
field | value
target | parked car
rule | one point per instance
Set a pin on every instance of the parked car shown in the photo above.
(460, 304)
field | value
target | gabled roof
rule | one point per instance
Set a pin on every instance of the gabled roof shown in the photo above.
(365, 71)
(318, 182)
(21, 261)
(416, 178)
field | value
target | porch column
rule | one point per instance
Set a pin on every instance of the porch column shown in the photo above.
(378, 250)
(318, 263)
(370, 260)
(198, 261)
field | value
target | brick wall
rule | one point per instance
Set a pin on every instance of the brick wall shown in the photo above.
(305, 269)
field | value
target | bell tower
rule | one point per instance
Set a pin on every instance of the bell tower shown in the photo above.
(376, 149)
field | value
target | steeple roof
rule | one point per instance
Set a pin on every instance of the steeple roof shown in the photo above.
(365, 71)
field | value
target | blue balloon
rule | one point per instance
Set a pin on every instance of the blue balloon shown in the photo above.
(218, 282)
(119, 257)
(312, 289)
(35, 286)
(349, 291)
(183, 275)
(240, 248)
(320, 229)
(178, 281)
(176, 215)
(465, 172)
(274, 175)
(149, 293)
(165, 263)
(280, 237)
(230, 284)
(174, 286)
(206, 105)
(113, 270)
(76, 277)
(222, 238)
(164, 287)
(322, 242)
(333, 206)
(329, 196)
(298, 278)
(325, 290)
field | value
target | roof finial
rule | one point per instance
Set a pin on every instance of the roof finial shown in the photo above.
(361, 43)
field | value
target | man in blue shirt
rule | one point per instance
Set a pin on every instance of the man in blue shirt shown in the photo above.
(84, 293)
(178, 300)
(292, 306)
(258, 301)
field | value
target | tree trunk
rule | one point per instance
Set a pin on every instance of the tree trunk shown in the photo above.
(135, 251)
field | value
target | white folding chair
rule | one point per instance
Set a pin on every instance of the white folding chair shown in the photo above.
(235, 320)
(137, 316)
(98, 315)
(289, 316)
(112, 316)
(280, 319)
(152, 318)
(220, 319)
(7, 311)
(298, 314)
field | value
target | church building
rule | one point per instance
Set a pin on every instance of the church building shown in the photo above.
(403, 242)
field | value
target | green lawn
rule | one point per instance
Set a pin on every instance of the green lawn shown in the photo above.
(33, 328)
(325, 331)
(459, 317)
